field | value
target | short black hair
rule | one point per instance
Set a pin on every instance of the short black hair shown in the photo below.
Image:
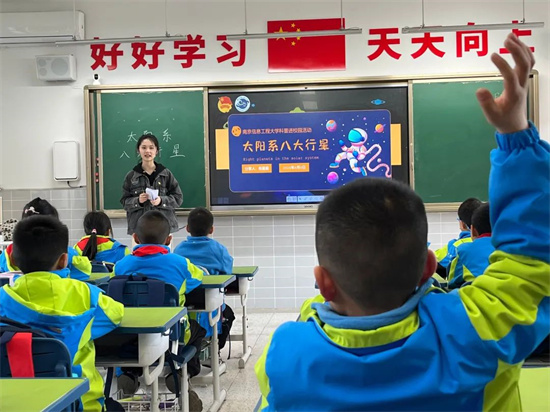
(371, 235)
(39, 206)
(481, 219)
(38, 242)
(151, 137)
(95, 223)
(200, 221)
(153, 228)
(466, 210)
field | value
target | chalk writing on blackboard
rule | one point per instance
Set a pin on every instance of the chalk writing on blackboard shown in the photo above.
(131, 137)
(176, 151)
(166, 136)
(124, 154)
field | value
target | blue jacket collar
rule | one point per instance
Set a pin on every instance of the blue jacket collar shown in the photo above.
(198, 238)
(464, 233)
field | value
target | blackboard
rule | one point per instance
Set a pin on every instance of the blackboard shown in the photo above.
(175, 117)
(452, 140)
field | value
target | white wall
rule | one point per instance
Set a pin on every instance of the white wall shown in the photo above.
(34, 113)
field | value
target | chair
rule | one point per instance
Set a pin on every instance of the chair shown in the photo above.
(140, 291)
(50, 356)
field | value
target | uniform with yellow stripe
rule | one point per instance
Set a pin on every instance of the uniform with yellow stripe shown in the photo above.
(471, 261)
(156, 262)
(80, 267)
(108, 250)
(73, 312)
(457, 351)
(447, 253)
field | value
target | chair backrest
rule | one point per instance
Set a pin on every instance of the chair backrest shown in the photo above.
(50, 356)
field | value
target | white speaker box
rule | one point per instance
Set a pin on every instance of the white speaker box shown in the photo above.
(56, 68)
(66, 161)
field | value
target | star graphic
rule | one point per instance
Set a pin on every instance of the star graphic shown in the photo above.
(298, 30)
(280, 31)
(292, 25)
(293, 43)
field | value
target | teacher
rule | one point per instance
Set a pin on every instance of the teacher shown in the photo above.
(151, 175)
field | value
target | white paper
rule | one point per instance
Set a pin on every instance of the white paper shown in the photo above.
(152, 193)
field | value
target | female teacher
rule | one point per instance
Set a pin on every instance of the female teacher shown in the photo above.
(150, 175)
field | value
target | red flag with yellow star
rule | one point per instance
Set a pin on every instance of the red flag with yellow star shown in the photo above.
(305, 53)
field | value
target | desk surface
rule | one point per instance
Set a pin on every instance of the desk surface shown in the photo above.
(36, 394)
(216, 281)
(96, 278)
(533, 389)
(244, 271)
(149, 320)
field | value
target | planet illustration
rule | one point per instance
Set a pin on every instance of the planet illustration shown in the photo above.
(333, 178)
(379, 128)
(224, 104)
(331, 125)
(378, 102)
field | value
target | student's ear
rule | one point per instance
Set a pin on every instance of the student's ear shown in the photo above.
(187, 228)
(429, 267)
(326, 285)
(474, 232)
(168, 240)
(211, 230)
(463, 226)
(62, 262)
(136, 239)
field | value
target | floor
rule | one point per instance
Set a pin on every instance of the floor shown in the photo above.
(241, 384)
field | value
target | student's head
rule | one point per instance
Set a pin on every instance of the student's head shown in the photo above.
(153, 228)
(371, 238)
(148, 147)
(39, 206)
(95, 223)
(481, 221)
(465, 212)
(40, 244)
(200, 222)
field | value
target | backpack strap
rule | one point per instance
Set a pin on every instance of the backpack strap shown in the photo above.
(155, 288)
(116, 287)
(19, 349)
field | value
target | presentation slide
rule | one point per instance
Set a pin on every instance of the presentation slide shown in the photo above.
(307, 151)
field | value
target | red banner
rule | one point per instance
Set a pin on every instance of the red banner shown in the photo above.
(305, 53)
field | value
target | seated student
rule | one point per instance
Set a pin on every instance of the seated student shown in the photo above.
(385, 340)
(152, 258)
(473, 258)
(210, 254)
(78, 267)
(72, 311)
(447, 253)
(98, 244)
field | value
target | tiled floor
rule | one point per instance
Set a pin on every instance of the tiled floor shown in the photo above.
(241, 384)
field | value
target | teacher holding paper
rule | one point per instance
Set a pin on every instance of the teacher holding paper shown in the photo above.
(150, 186)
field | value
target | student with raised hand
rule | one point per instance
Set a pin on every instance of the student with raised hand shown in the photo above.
(386, 340)
(78, 267)
(152, 258)
(473, 258)
(98, 244)
(447, 253)
(72, 311)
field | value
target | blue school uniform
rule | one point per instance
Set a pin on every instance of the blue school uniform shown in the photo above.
(108, 250)
(447, 253)
(471, 261)
(459, 351)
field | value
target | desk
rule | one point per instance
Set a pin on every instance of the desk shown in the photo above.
(97, 278)
(533, 388)
(152, 325)
(207, 298)
(244, 275)
(40, 394)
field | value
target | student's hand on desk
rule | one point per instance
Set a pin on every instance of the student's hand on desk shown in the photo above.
(143, 198)
(508, 112)
(156, 202)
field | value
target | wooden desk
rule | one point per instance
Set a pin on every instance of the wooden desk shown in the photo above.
(211, 292)
(40, 394)
(244, 275)
(534, 386)
(152, 326)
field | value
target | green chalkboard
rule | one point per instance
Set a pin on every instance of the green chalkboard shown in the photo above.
(175, 117)
(452, 140)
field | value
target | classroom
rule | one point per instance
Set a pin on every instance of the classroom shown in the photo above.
(120, 85)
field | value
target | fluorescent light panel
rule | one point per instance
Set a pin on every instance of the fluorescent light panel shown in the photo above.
(472, 27)
(34, 39)
(293, 34)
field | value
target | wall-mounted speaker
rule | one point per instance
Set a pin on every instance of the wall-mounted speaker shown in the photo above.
(56, 68)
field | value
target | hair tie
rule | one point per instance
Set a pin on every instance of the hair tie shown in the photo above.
(31, 209)
(94, 231)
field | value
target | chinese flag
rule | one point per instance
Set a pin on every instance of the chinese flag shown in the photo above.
(305, 53)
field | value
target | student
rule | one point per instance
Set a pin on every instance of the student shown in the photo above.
(210, 254)
(78, 267)
(447, 253)
(473, 258)
(98, 244)
(72, 311)
(152, 258)
(384, 339)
